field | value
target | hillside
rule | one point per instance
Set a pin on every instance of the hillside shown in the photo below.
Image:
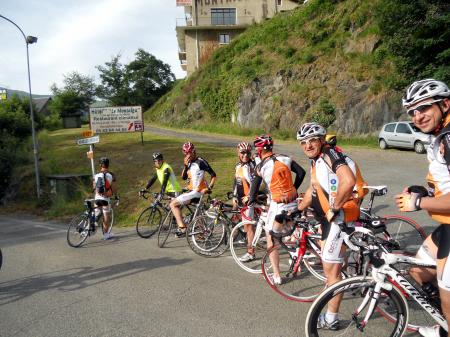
(325, 61)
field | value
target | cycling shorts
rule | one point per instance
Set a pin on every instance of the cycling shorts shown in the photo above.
(186, 198)
(276, 208)
(102, 205)
(173, 194)
(441, 238)
(331, 234)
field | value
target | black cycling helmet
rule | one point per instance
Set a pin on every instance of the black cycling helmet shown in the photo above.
(157, 156)
(104, 161)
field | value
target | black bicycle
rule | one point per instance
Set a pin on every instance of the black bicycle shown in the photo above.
(150, 218)
(85, 224)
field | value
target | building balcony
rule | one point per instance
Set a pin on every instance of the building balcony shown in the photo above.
(209, 23)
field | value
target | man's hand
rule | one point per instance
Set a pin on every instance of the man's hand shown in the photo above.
(409, 200)
(142, 191)
(331, 214)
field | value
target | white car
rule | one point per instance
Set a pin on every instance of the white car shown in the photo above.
(403, 135)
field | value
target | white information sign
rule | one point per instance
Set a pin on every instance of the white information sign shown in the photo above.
(87, 141)
(116, 119)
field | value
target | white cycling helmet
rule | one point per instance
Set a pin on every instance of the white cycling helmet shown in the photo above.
(423, 89)
(309, 130)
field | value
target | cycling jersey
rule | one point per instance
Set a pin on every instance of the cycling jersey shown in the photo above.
(275, 170)
(195, 172)
(166, 178)
(243, 176)
(325, 182)
(108, 176)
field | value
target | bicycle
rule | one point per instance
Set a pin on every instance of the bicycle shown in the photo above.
(84, 225)
(169, 223)
(208, 235)
(150, 218)
(387, 294)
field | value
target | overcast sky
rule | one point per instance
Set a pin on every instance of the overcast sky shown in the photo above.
(77, 35)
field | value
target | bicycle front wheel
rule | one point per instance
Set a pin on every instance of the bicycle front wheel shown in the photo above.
(78, 230)
(355, 295)
(205, 235)
(238, 247)
(165, 228)
(148, 222)
(406, 233)
(298, 283)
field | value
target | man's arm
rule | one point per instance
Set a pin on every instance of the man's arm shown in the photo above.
(347, 182)
(165, 180)
(299, 174)
(254, 188)
(151, 181)
(307, 200)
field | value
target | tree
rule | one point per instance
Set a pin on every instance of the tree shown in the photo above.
(141, 82)
(80, 85)
(67, 103)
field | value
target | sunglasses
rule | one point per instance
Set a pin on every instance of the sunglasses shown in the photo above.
(245, 153)
(309, 141)
(421, 108)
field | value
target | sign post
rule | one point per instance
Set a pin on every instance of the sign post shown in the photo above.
(90, 154)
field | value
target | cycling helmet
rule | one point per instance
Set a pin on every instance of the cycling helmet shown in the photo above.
(244, 146)
(157, 156)
(309, 130)
(188, 148)
(331, 139)
(104, 161)
(424, 89)
(263, 141)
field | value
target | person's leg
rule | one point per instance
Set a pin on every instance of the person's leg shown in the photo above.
(175, 206)
(271, 224)
(426, 252)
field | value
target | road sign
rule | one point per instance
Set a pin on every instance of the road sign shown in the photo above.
(87, 141)
(88, 133)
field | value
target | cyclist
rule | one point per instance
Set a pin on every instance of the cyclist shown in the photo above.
(244, 172)
(105, 187)
(194, 170)
(276, 172)
(428, 103)
(164, 174)
(330, 194)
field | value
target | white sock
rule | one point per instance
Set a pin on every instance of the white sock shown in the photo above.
(331, 316)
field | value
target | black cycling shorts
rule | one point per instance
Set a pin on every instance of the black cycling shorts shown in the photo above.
(441, 238)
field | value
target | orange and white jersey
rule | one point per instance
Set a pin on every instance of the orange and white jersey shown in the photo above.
(196, 174)
(243, 177)
(438, 177)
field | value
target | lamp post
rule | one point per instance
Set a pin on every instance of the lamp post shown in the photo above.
(30, 40)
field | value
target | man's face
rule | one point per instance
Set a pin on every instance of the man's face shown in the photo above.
(189, 156)
(312, 146)
(158, 163)
(426, 114)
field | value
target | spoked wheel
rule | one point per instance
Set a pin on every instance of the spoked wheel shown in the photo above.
(78, 230)
(205, 235)
(238, 248)
(165, 228)
(353, 309)
(301, 281)
(148, 222)
(406, 233)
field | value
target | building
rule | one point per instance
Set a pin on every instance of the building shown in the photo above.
(209, 24)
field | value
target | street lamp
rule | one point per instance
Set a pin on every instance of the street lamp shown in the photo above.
(30, 40)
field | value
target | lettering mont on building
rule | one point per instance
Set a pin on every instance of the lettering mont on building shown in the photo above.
(208, 24)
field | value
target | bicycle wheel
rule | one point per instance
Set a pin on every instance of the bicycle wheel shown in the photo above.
(1, 259)
(165, 228)
(78, 230)
(238, 247)
(352, 310)
(148, 222)
(297, 282)
(205, 235)
(407, 233)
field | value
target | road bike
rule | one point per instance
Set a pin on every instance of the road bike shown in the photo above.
(150, 218)
(85, 224)
(208, 235)
(387, 294)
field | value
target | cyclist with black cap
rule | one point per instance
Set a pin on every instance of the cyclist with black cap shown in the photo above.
(105, 187)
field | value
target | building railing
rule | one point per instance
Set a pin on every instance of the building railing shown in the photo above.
(207, 21)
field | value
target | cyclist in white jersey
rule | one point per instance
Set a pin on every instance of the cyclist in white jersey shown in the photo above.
(428, 103)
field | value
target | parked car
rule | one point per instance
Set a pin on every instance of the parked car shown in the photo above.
(404, 135)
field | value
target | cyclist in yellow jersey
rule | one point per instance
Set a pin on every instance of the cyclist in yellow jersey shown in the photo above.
(164, 174)
(428, 103)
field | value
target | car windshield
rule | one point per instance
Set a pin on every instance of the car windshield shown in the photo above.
(414, 127)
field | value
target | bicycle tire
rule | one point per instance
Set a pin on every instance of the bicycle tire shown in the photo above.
(300, 286)
(238, 247)
(1, 259)
(353, 291)
(406, 232)
(148, 222)
(205, 235)
(78, 230)
(165, 228)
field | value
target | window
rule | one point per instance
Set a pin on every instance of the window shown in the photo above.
(279, 3)
(389, 128)
(224, 38)
(403, 128)
(223, 16)
(415, 128)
